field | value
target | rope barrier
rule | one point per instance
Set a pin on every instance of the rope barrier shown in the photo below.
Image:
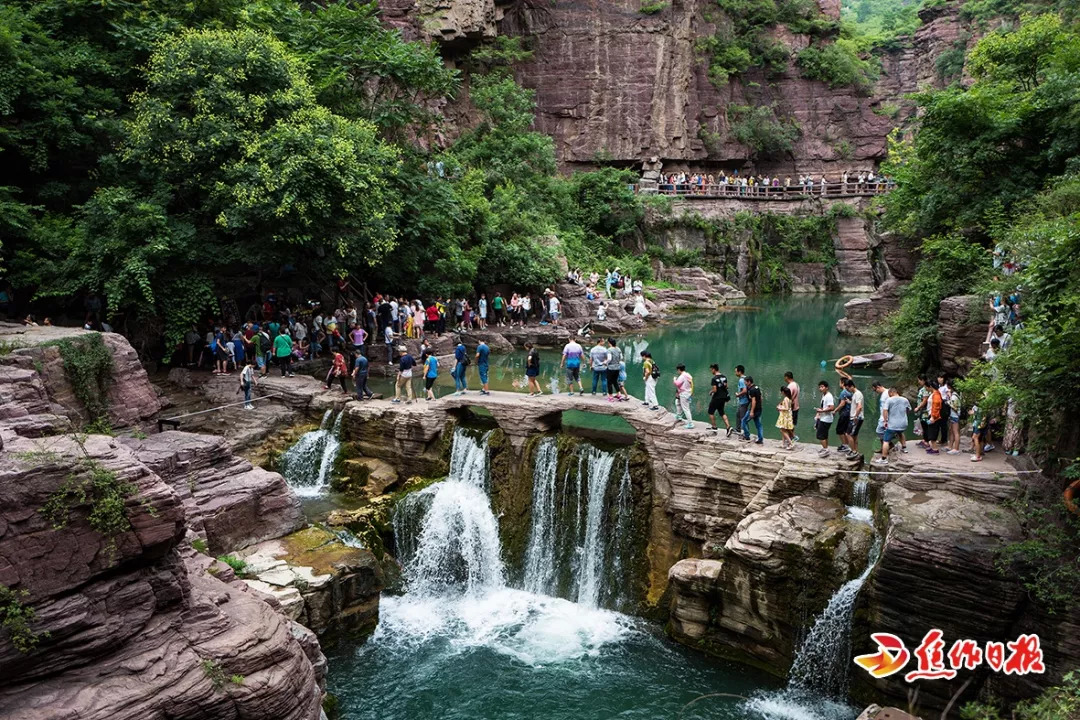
(175, 420)
(899, 471)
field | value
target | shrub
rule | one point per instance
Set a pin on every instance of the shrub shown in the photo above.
(103, 491)
(653, 8)
(838, 64)
(239, 565)
(88, 366)
(758, 128)
(15, 618)
(950, 266)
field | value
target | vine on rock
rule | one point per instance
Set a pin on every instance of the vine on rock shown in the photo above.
(88, 365)
(104, 492)
(16, 617)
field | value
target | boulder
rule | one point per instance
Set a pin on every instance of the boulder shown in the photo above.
(963, 321)
(778, 570)
(863, 316)
(320, 581)
(229, 502)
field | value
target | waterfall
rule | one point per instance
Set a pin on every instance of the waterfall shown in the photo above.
(307, 465)
(818, 681)
(599, 465)
(624, 509)
(822, 662)
(448, 537)
(540, 571)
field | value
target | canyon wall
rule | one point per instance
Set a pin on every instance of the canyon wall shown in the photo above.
(97, 537)
(617, 85)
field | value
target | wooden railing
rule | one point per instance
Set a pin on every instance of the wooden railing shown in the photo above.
(770, 192)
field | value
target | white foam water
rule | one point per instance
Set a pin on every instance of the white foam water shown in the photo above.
(307, 465)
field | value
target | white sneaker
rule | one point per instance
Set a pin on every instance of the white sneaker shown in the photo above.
(880, 461)
(249, 407)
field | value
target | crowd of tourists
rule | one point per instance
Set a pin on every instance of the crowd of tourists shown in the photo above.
(765, 186)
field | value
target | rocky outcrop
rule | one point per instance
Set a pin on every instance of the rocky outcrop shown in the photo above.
(457, 21)
(228, 502)
(962, 326)
(318, 580)
(864, 316)
(937, 566)
(130, 397)
(779, 568)
(130, 623)
(126, 611)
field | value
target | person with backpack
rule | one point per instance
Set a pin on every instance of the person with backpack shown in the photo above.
(338, 369)
(462, 358)
(753, 392)
(718, 398)
(684, 394)
(650, 373)
(572, 355)
(482, 354)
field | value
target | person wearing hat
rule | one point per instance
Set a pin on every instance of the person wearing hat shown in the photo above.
(404, 377)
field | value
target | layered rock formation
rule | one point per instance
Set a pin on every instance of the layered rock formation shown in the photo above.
(779, 567)
(962, 326)
(129, 622)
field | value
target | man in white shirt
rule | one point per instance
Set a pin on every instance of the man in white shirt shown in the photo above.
(824, 415)
(894, 414)
(553, 309)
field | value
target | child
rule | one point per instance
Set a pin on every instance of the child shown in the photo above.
(601, 312)
(784, 422)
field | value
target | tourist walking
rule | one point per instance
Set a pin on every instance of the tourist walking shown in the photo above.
(283, 353)
(650, 373)
(482, 353)
(742, 401)
(858, 413)
(784, 422)
(482, 309)
(247, 381)
(824, 417)
(980, 423)
(789, 380)
(360, 378)
(404, 376)
(718, 398)
(598, 357)
(950, 412)
(753, 392)
(554, 308)
(462, 361)
(338, 369)
(431, 374)
(883, 397)
(684, 395)
(894, 414)
(572, 354)
(498, 305)
(388, 340)
(615, 390)
(532, 369)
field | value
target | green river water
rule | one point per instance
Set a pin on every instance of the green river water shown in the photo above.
(768, 336)
(510, 654)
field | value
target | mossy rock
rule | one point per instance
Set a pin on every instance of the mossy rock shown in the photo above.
(322, 551)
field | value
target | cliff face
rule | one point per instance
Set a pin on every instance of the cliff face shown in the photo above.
(615, 83)
(131, 623)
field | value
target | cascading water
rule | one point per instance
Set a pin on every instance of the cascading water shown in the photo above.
(599, 464)
(818, 680)
(447, 535)
(540, 574)
(307, 465)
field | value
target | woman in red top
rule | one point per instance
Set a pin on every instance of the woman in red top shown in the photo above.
(338, 370)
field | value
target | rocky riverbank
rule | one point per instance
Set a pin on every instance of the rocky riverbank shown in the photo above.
(102, 543)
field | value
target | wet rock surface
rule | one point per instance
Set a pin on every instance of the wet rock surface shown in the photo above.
(780, 565)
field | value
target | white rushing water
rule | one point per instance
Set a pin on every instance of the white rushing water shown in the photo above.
(307, 465)
(448, 541)
(818, 680)
(540, 574)
(599, 464)
(455, 538)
